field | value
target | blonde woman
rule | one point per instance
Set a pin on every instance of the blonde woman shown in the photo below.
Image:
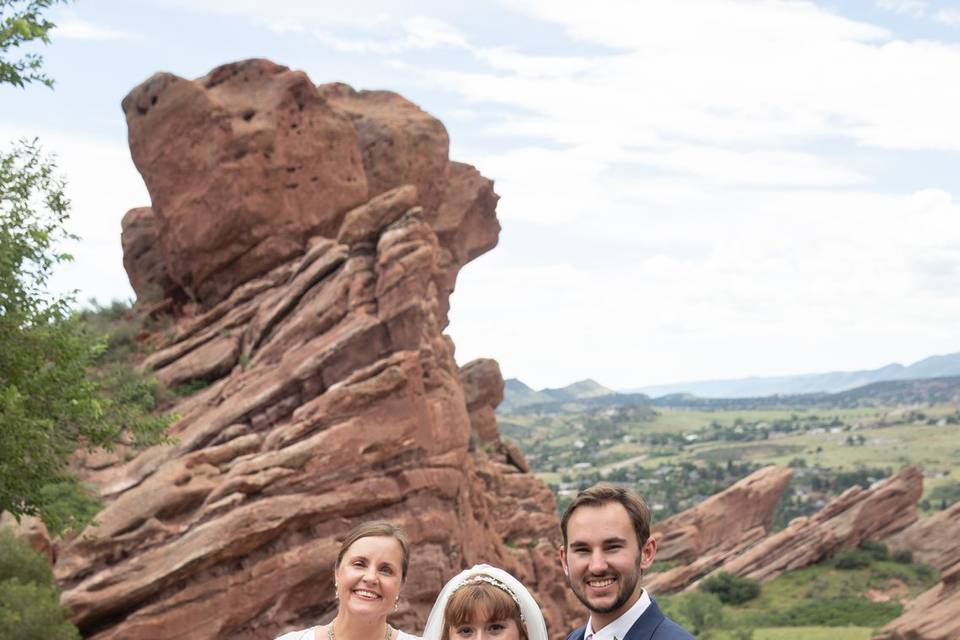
(371, 568)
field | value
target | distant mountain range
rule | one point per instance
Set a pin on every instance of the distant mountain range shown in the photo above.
(516, 394)
(831, 382)
(816, 387)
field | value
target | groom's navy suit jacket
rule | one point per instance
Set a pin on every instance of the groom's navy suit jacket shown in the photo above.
(652, 625)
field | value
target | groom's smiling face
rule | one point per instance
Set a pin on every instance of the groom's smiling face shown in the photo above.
(603, 559)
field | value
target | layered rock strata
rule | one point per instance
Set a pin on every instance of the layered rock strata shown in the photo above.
(933, 615)
(855, 515)
(703, 537)
(315, 234)
(934, 540)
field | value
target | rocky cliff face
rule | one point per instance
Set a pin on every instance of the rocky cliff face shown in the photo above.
(932, 615)
(720, 527)
(935, 614)
(730, 531)
(309, 239)
(855, 515)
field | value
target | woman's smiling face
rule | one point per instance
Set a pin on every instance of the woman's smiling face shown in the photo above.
(485, 630)
(369, 576)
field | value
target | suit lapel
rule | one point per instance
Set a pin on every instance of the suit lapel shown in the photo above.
(646, 624)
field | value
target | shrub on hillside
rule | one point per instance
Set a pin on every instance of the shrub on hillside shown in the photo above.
(852, 559)
(18, 561)
(903, 556)
(29, 602)
(703, 612)
(877, 550)
(731, 589)
(29, 611)
(838, 612)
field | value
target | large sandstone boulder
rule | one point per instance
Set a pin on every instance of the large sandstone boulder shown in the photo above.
(720, 527)
(855, 515)
(332, 396)
(934, 540)
(933, 615)
(247, 163)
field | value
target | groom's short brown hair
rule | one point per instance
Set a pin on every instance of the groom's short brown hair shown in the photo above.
(605, 492)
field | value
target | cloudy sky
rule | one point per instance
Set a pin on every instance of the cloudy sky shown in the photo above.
(690, 189)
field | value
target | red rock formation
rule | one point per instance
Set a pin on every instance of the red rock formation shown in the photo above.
(321, 230)
(934, 540)
(721, 526)
(855, 515)
(933, 615)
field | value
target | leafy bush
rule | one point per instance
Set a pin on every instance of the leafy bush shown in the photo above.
(903, 556)
(852, 559)
(731, 589)
(838, 612)
(29, 602)
(18, 561)
(701, 613)
(30, 611)
(877, 550)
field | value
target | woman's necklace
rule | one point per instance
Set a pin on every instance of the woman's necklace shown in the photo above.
(330, 635)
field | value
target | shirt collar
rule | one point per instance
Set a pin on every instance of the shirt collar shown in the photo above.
(617, 630)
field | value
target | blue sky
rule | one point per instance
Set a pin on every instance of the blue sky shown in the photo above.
(690, 190)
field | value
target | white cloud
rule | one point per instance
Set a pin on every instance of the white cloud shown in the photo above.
(76, 29)
(915, 8)
(420, 34)
(821, 76)
(102, 185)
(949, 17)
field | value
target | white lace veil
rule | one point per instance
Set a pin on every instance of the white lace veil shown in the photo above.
(529, 609)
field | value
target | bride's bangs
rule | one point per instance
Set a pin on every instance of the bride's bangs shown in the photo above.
(480, 602)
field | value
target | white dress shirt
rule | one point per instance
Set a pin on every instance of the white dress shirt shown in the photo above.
(617, 629)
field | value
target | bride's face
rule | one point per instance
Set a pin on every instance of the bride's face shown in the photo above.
(485, 630)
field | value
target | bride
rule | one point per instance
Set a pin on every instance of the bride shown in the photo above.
(485, 603)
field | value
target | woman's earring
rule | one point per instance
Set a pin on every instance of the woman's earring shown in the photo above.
(336, 591)
(396, 605)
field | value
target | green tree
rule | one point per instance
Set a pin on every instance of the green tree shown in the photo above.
(731, 589)
(20, 23)
(29, 600)
(704, 612)
(54, 398)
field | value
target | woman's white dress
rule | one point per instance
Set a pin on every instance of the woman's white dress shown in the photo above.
(309, 634)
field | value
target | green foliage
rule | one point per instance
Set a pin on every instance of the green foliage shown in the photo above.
(18, 561)
(701, 613)
(29, 602)
(852, 559)
(33, 612)
(877, 550)
(731, 589)
(903, 556)
(836, 612)
(21, 22)
(53, 397)
(946, 494)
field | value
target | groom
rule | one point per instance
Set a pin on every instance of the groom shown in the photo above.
(606, 547)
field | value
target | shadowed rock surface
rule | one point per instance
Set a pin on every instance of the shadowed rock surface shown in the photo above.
(316, 233)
